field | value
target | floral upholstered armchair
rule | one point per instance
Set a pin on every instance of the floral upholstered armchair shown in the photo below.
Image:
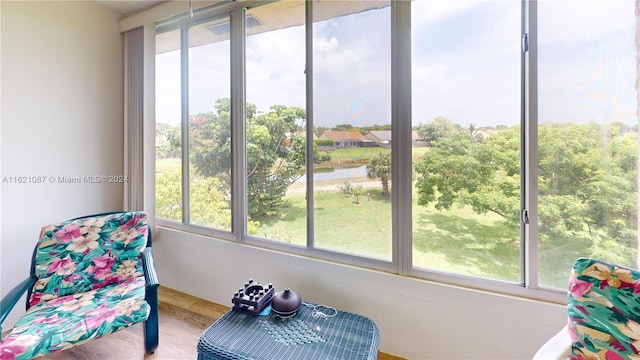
(90, 277)
(603, 303)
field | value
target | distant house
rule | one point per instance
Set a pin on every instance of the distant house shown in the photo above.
(345, 139)
(383, 137)
(379, 137)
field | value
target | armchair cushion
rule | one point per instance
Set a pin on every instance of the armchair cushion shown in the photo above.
(604, 311)
(74, 319)
(85, 254)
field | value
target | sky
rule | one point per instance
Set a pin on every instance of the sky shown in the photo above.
(465, 65)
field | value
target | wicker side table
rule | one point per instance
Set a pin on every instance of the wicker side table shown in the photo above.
(242, 336)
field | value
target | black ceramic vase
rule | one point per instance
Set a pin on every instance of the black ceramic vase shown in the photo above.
(286, 303)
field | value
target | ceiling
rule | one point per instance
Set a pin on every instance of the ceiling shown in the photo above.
(129, 7)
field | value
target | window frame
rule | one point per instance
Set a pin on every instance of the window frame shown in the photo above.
(401, 100)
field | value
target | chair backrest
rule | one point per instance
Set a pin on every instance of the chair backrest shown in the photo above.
(88, 253)
(604, 311)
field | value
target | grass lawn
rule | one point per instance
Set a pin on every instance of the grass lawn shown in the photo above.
(457, 240)
(163, 165)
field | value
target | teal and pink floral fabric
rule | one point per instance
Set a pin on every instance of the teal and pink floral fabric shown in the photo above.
(89, 283)
(604, 311)
(86, 254)
(72, 320)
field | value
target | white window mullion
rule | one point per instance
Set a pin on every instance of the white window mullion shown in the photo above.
(184, 84)
(530, 148)
(238, 126)
(401, 165)
(309, 113)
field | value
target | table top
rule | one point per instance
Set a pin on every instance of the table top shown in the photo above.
(243, 336)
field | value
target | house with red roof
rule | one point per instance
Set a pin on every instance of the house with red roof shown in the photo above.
(344, 139)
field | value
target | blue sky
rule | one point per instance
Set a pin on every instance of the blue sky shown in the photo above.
(466, 65)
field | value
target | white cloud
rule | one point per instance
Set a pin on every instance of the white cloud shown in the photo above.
(474, 77)
(322, 46)
(587, 61)
(580, 21)
(275, 68)
(352, 65)
(168, 88)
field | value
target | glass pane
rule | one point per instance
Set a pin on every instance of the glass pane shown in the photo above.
(587, 135)
(466, 137)
(210, 124)
(168, 135)
(275, 63)
(352, 121)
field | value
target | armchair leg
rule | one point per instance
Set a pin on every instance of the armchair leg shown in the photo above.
(151, 329)
(150, 335)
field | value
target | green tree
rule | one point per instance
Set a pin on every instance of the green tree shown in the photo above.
(275, 152)
(485, 176)
(168, 141)
(586, 182)
(169, 195)
(380, 167)
(344, 127)
(208, 207)
(474, 134)
(587, 187)
(439, 128)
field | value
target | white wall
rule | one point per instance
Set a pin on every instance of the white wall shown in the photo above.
(417, 319)
(62, 115)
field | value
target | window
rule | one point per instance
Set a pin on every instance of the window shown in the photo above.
(276, 122)
(352, 119)
(287, 125)
(466, 123)
(587, 135)
(209, 124)
(203, 171)
(168, 132)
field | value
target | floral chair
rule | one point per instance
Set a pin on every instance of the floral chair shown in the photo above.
(90, 277)
(603, 303)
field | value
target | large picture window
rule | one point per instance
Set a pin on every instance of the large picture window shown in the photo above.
(504, 151)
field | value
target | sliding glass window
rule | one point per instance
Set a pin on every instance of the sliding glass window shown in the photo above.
(193, 88)
(210, 124)
(514, 152)
(352, 122)
(168, 130)
(276, 121)
(466, 137)
(587, 135)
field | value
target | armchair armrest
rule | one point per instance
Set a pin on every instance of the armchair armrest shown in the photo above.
(558, 347)
(10, 300)
(149, 268)
(151, 331)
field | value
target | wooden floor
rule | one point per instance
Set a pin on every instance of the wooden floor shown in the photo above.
(182, 319)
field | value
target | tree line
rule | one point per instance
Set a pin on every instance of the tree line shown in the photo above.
(586, 173)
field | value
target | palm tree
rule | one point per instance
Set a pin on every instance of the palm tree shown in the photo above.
(380, 167)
